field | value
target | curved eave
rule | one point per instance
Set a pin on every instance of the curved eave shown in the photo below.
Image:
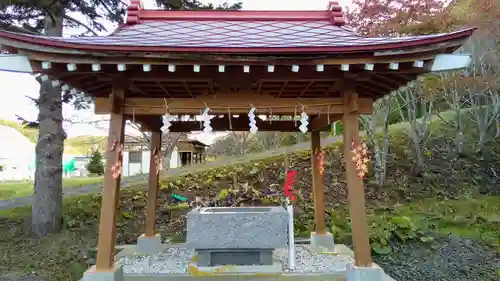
(27, 42)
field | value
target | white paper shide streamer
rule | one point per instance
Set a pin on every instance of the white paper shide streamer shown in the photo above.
(206, 121)
(167, 122)
(253, 123)
(303, 122)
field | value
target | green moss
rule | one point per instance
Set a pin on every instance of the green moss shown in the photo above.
(474, 218)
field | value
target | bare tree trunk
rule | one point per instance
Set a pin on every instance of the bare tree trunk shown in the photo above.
(419, 130)
(485, 111)
(380, 146)
(456, 102)
(169, 140)
(268, 140)
(241, 142)
(497, 123)
(47, 205)
(483, 94)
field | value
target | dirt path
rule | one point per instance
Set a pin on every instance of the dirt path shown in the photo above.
(28, 200)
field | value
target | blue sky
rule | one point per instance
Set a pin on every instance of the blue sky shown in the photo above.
(15, 86)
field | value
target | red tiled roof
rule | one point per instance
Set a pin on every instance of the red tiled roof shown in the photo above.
(236, 32)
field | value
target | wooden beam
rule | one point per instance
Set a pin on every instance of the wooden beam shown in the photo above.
(110, 193)
(323, 122)
(279, 75)
(317, 184)
(153, 184)
(355, 190)
(177, 59)
(238, 124)
(238, 103)
(148, 123)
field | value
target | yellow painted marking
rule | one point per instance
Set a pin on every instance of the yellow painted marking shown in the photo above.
(328, 253)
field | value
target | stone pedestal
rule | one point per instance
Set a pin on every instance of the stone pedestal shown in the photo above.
(148, 244)
(322, 242)
(374, 273)
(116, 274)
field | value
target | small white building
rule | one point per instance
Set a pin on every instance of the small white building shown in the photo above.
(17, 155)
(186, 152)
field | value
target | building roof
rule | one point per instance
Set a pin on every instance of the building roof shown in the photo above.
(194, 142)
(234, 32)
(279, 62)
(145, 143)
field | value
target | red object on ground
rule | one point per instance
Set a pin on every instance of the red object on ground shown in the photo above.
(287, 188)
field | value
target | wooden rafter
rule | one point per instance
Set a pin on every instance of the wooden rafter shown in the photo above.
(285, 84)
(238, 104)
(306, 88)
(187, 88)
(163, 88)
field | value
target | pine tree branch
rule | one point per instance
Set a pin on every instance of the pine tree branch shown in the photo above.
(80, 24)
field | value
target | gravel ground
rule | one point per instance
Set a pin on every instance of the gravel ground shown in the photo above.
(11, 277)
(175, 261)
(448, 259)
(307, 262)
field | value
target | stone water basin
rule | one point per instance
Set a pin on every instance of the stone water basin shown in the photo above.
(236, 235)
(237, 227)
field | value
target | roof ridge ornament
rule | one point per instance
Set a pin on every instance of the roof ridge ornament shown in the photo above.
(133, 11)
(337, 15)
(136, 13)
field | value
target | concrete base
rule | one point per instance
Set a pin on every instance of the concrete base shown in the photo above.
(148, 244)
(322, 242)
(374, 273)
(216, 257)
(239, 277)
(114, 275)
(275, 269)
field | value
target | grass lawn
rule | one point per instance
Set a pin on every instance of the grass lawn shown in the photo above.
(10, 190)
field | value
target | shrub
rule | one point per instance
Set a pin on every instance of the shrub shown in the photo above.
(95, 165)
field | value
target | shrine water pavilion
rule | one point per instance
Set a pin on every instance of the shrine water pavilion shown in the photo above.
(279, 63)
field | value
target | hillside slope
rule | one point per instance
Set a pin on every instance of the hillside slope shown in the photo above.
(81, 145)
(442, 225)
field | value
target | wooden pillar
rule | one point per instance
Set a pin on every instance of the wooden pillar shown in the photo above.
(111, 190)
(355, 189)
(153, 185)
(317, 183)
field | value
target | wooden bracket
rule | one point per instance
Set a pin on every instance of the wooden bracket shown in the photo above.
(117, 96)
(351, 102)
